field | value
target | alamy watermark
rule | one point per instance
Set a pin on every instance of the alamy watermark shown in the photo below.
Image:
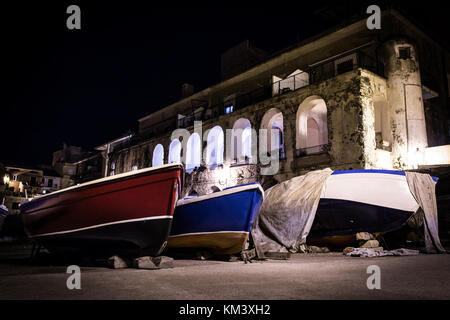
(74, 20)
(374, 21)
(374, 280)
(74, 280)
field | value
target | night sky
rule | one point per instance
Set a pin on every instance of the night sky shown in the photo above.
(85, 87)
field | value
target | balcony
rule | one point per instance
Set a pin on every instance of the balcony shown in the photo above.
(315, 73)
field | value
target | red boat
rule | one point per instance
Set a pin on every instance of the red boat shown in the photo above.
(128, 214)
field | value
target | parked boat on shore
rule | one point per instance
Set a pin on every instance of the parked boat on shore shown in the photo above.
(219, 222)
(375, 201)
(3, 213)
(129, 213)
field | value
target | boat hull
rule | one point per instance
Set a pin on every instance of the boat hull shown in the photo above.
(126, 214)
(362, 201)
(219, 222)
(3, 213)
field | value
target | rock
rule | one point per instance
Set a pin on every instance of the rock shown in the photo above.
(371, 244)
(325, 250)
(203, 255)
(116, 262)
(348, 250)
(144, 263)
(163, 262)
(364, 236)
(314, 249)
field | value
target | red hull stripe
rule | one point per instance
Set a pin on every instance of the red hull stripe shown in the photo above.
(101, 225)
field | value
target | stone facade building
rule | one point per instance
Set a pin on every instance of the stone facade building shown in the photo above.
(351, 98)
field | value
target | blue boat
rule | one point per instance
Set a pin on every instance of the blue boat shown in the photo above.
(3, 213)
(219, 222)
(375, 201)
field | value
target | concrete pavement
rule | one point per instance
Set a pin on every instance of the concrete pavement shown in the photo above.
(304, 276)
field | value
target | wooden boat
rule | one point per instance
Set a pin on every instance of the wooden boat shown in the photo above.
(219, 222)
(375, 201)
(129, 213)
(3, 213)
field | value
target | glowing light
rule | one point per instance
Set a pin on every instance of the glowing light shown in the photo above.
(437, 155)
(6, 179)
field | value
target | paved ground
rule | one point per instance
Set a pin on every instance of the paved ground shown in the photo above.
(304, 276)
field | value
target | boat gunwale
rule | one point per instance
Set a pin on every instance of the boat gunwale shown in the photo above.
(256, 186)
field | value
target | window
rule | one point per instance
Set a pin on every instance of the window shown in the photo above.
(345, 66)
(113, 166)
(15, 205)
(193, 152)
(271, 121)
(312, 129)
(134, 168)
(229, 109)
(404, 53)
(158, 156)
(215, 146)
(175, 151)
(242, 140)
(50, 183)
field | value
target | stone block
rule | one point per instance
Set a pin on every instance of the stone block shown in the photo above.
(348, 250)
(163, 262)
(364, 236)
(370, 244)
(144, 263)
(116, 262)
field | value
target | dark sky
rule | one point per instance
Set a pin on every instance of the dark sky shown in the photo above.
(85, 87)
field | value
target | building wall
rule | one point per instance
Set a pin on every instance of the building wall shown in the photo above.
(351, 135)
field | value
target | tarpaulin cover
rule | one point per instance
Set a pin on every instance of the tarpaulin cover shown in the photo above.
(370, 253)
(288, 212)
(422, 187)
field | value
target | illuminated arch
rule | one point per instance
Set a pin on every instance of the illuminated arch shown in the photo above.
(215, 146)
(158, 156)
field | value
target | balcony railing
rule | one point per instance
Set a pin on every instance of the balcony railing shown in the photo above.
(313, 74)
(310, 151)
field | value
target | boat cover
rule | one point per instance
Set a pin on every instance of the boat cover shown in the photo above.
(288, 212)
(370, 253)
(423, 187)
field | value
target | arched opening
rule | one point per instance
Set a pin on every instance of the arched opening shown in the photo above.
(273, 120)
(312, 128)
(193, 152)
(242, 140)
(383, 135)
(158, 156)
(215, 146)
(175, 151)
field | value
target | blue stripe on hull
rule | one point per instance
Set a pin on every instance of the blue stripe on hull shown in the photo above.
(341, 217)
(399, 173)
(232, 212)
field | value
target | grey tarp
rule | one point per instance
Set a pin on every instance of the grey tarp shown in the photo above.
(287, 213)
(370, 253)
(422, 187)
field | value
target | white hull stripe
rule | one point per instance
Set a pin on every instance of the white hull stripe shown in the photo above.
(385, 190)
(204, 233)
(102, 225)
